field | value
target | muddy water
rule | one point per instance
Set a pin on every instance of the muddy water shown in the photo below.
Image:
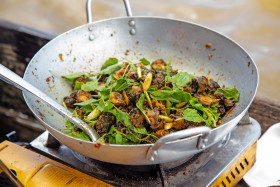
(254, 24)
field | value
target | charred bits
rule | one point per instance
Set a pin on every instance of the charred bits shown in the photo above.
(249, 63)
(208, 45)
(126, 52)
(50, 79)
(210, 56)
(61, 57)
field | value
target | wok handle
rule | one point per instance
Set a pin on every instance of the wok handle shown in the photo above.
(201, 143)
(89, 14)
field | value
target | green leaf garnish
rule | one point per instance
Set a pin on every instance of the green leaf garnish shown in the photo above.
(91, 86)
(79, 135)
(192, 115)
(144, 61)
(109, 62)
(180, 80)
(110, 69)
(87, 102)
(122, 84)
(73, 76)
(230, 92)
(170, 95)
(105, 106)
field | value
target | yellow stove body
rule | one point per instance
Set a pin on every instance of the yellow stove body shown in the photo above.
(34, 170)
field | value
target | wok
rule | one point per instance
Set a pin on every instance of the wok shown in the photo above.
(85, 48)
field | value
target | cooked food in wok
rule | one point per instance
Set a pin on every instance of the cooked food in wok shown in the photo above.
(137, 103)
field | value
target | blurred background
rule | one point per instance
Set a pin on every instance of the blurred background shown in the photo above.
(254, 24)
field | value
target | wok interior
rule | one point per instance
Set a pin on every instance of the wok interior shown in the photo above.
(181, 43)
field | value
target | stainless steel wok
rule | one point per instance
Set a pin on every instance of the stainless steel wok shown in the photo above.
(85, 49)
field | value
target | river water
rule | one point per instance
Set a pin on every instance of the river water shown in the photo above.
(254, 24)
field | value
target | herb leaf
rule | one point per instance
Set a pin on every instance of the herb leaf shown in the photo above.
(105, 106)
(139, 105)
(119, 138)
(140, 130)
(230, 92)
(144, 61)
(91, 86)
(170, 95)
(109, 62)
(180, 80)
(140, 102)
(192, 115)
(78, 85)
(210, 114)
(123, 117)
(111, 69)
(87, 102)
(122, 84)
(86, 109)
(104, 93)
(79, 135)
(73, 76)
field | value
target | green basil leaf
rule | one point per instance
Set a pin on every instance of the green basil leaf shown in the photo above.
(112, 130)
(119, 138)
(111, 69)
(153, 88)
(91, 86)
(140, 130)
(140, 102)
(192, 115)
(122, 84)
(209, 119)
(133, 138)
(210, 114)
(78, 85)
(195, 104)
(111, 139)
(101, 139)
(86, 109)
(104, 93)
(73, 76)
(109, 62)
(69, 125)
(122, 116)
(87, 102)
(133, 67)
(170, 95)
(230, 92)
(144, 61)
(105, 106)
(79, 135)
(139, 105)
(180, 80)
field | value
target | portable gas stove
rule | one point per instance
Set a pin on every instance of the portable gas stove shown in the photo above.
(223, 164)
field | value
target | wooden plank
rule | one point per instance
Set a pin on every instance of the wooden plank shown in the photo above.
(265, 111)
(18, 44)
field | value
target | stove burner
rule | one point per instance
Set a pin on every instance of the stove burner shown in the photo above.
(200, 170)
(143, 171)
